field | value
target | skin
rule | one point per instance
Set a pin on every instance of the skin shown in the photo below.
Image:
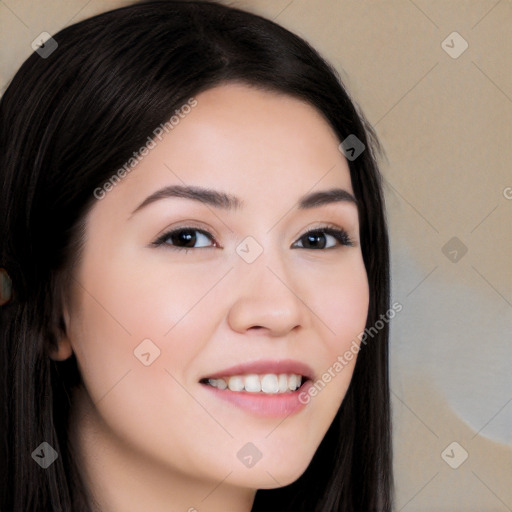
(152, 437)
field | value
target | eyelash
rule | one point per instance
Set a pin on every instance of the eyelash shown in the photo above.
(340, 235)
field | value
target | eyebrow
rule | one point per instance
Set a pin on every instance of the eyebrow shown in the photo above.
(225, 201)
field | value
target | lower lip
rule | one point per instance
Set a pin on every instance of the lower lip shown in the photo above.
(271, 405)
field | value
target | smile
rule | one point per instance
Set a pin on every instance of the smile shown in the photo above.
(269, 383)
(268, 389)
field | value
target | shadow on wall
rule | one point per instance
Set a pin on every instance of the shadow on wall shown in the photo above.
(437, 454)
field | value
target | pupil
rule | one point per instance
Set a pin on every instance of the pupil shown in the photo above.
(314, 239)
(186, 238)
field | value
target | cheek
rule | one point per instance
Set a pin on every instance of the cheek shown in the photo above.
(129, 396)
(122, 323)
(155, 294)
(133, 314)
(341, 303)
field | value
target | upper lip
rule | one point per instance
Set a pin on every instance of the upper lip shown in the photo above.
(265, 366)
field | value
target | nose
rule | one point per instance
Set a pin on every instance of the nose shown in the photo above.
(267, 297)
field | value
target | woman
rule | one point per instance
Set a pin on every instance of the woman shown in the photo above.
(193, 226)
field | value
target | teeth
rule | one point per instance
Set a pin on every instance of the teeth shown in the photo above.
(283, 383)
(236, 383)
(218, 383)
(221, 384)
(269, 383)
(252, 383)
(293, 382)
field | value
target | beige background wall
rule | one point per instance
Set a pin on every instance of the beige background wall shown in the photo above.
(445, 122)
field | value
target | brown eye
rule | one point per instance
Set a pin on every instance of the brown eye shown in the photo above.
(317, 238)
(185, 238)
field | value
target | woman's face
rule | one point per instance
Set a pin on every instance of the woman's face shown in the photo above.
(153, 316)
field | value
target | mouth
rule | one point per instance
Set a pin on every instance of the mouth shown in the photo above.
(268, 389)
(268, 383)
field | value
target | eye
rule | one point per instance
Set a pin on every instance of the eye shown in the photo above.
(185, 238)
(316, 238)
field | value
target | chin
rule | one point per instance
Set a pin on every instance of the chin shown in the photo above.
(274, 477)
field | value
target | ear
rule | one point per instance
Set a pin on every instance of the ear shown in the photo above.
(64, 349)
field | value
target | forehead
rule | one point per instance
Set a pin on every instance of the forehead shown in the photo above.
(261, 146)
